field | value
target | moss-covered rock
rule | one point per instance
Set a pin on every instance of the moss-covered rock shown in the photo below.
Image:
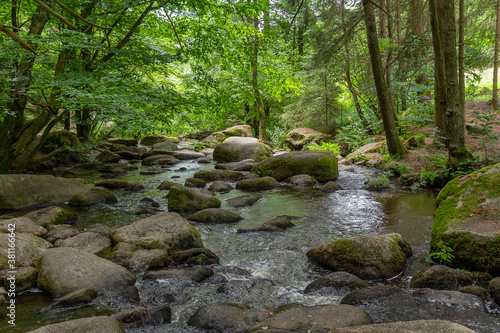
(195, 182)
(29, 249)
(57, 139)
(297, 138)
(49, 216)
(184, 199)
(467, 219)
(107, 156)
(84, 325)
(238, 130)
(165, 145)
(166, 185)
(494, 289)
(320, 164)
(92, 197)
(212, 175)
(215, 216)
(160, 159)
(235, 149)
(150, 140)
(279, 223)
(263, 183)
(77, 297)
(124, 141)
(441, 277)
(89, 242)
(25, 278)
(367, 257)
(168, 231)
(220, 187)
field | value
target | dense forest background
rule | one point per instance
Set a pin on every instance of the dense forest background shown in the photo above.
(349, 69)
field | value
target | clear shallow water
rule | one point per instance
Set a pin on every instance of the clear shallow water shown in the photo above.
(278, 256)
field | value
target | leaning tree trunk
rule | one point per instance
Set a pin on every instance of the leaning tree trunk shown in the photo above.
(394, 145)
(495, 60)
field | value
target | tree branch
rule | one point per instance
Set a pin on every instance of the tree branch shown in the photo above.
(5, 29)
(173, 27)
(294, 16)
(79, 17)
(56, 14)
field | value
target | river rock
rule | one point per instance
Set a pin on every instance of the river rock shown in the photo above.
(153, 171)
(141, 316)
(337, 283)
(77, 297)
(331, 187)
(467, 219)
(450, 298)
(147, 259)
(279, 223)
(57, 233)
(301, 180)
(20, 191)
(84, 325)
(480, 292)
(243, 200)
(89, 242)
(29, 248)
(107, 156)
(195, 256)
(263, 183)
(22, 224)
(220, 187)
(168, 231)
(212, 175)
(441, 277)
(149, 140)
(64, 270)
(215, 216)
(122, 252)
(235, 149)
(163, 160)
(204, 160)
(367, 257)
(166, 185)
(128, 155)
(494, 289)
(238, 130)
(25, 278)
(186, 154)
(165, 145)
(123, 141)
(245, 165)
(195, 183)
(155, 152)
(113, 183)
(366, 149)
(49, 216)
(226, 317)
(416, 326)
(297, 138)
(93, 196)
(320, 318)
(184, 199)
(321, 165)
(196, 274)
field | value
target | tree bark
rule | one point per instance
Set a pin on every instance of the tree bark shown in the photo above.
(258, 104)
(495, 60)
(461, 53)
(394, 145)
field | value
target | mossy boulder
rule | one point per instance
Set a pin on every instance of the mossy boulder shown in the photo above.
(263, 183)
(77, 297)
(93, 196)
(49, 216)
(65, 270)
(441, 277)
(320, 164)
(494, 289)
(238, 130)
(367, 257)
(165, 145)
(123, 141)
(220, 187)
(215, 216)
(150, 140)
(29, 249)
(21, 191)
(415, 326)
(298, 138)
(25, 278)
(212, 175)
(184, 199)
(89, 242)
(168, 231)
(235, 149)
(467, 219)
(107, 156)
(195, 183)
(160, 159)
(84, 325)
(128, 155)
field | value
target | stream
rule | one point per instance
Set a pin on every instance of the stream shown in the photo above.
(275, 262)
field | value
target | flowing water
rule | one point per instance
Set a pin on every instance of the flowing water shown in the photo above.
(273, 263)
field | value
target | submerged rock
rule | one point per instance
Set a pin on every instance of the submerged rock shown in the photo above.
(184, 199)
(84, 325)
(77, 297)
(215, 216)
(279, 223)
(331, 187)
(321, 165)
(367, 257)
(65, 270)
(467, 219)
(243, 200)
(196, 274)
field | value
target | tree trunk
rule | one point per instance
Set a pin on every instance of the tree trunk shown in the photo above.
(301, 41)
(454, 112)
(382, 19)
(439, 77)
(259, 106)
(461, 53)
(394, 145)
(495, 60)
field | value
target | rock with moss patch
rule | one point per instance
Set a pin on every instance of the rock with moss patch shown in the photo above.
(141, 316)
(22, 224)
(160, 159)
(367, 257)
(220, 187)
(168, 231)
(475, 290)
(20, 191)
(29, 248)
(416, 326)
(467, 219)
(195, 256)
(441, 277)
(264, 183)
(150, 140)
(298, 138)
(77, 297)
(195, 183)
(25, 278)
(235, 149)
(320, 164)
(58, 233)
(84, 325)
(123, 141)
(212, 175)
(243, 200)
(128, 155)
(215, 216)
(279, 223)
(93, 196)
(381, 182)
(107, 156)
(165, 145)
(331, 187)
(49, 216)
(245, 165)
(147, 259)
(89, 242)
(166, 185)
(122, 251)
(184, 199)
(494, 289)
(337, 283)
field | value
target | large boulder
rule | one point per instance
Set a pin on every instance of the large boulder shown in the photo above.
(49, 216)
(297, 138)
(320, 318)
(168, 231)
(416, 326)
(219, 137)
(22, 224)
(107, 156)
(64, 270)
(235, 149)
(184, 199)
(123, 141)
(367, 257)
(93, 196)
(160, 159)
(89, 242)
(264, 183)
(467, 219)
(84, 325)
(29, 249)
(21, 191)
(441, 277)
(215, 216)
(150, 140)
(213, 175)
(320, 164)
